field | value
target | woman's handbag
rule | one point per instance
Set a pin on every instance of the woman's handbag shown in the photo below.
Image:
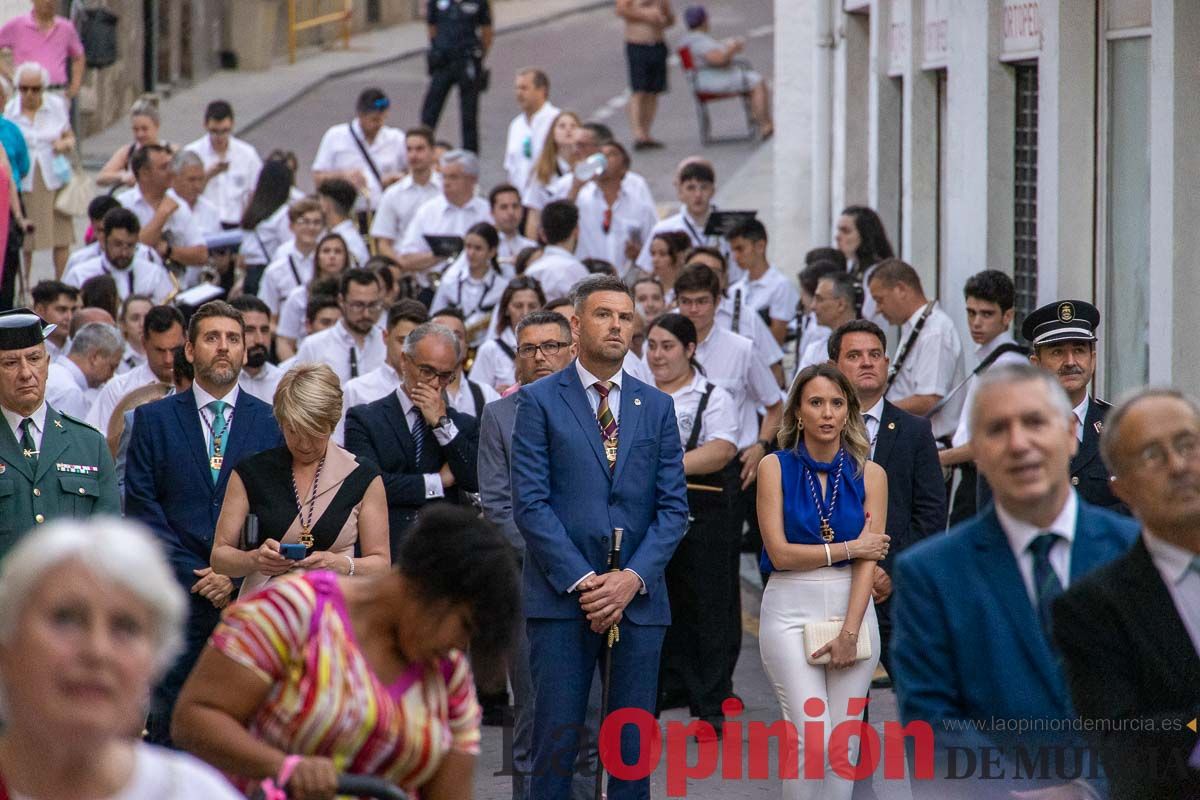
(73, 198)
(819, 634)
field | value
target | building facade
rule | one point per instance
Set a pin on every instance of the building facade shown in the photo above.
(1052, 139)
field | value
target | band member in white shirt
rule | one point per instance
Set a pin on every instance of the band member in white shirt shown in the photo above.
(402, 199)
(231, 165)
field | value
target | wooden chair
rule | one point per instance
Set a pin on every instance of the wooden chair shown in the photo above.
(688, 62)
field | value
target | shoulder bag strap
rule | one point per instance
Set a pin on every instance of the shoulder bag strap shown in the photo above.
(362, 148)
(1007, 347)
(292, 264)
(512, 354)
(903, 354)
(694, 440)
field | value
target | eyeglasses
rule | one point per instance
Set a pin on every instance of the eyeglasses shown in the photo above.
(428, 374)
(31, 89)
(1157, 455)
(311, 222)
(549, 349)
(359, 306)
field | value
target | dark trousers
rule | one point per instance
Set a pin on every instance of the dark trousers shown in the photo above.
(460, 73)
(702, 584)
(203, 617)
(563, 654)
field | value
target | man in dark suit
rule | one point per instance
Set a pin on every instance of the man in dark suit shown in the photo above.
(903, 445)
(971, 641)
(1130, 632)
(1063, 335)
(594, 450)
(425, 449)
(181, 453)
(543, 348)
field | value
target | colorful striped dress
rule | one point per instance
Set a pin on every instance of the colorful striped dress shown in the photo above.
(296, 635)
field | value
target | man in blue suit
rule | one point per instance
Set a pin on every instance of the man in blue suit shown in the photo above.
(594, 449)
(181, 453)
(971, 642)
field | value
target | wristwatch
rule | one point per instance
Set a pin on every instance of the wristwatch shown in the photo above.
(442, 422)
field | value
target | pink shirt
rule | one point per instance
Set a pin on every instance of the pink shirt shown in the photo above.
(52, 50)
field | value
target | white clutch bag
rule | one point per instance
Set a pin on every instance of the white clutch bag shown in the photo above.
(819, 634)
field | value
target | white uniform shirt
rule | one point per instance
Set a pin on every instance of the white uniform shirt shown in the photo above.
(463, 401)
(773, 291)
(526, 138)
(731, 363)
(400, 202)
(130, 359)
(720, 419)
(338, 152)
(348, 230)
(511, 246)
(259, 246)
(333, 347)
(934, 365)
(630, 217)
(90, 251)
(962, 433)
(439, 217)
(752, 327)
(475, 297)
(114, 392)
(494, 367)
(682, 221)
(231, 190)
(207, 216)
(536, 194)
(376, 384)
(816, 349)
(1020, 535)
(180, 229)
(558, 270)
(140, 277)
(67, 389)
(263, 384)
(292, 316)
(284, 274)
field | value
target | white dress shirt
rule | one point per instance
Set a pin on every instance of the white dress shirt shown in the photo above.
(694, 228)
(526, 138)
(376, 384)
(114, 392)
(348, 230)
(208, 418)
(1020, 535)
(871, 419)
(48, 123)
(962, 433)
(14, 421)
(751, 326)
(511, 246)
(400, 202)
(772, 291)
(229, 191)
(934, 365)
(538, 195)
(285, 273)
(332, 346)
(180, 228)
(631, 217)
(67, 389)
(493, 367)
(339, 152)
(1174, 564)
(816, 349)
(440, 217)
(434, 487)
(140, 277)
(130, 359)
(292, 315)
(557, 270)
(1081, 411)
(263, 384)
(720, 421)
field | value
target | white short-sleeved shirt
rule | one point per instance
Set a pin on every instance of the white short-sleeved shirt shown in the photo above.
(348, 230)
(537, 195)
(933, 365)
(494, 367)
(685, 223)
(463, 401)
(962, 433)
(376, 384)
(48, 123)
(260, 245)
(440, 217)
(475, 297)
(816, 348)
(263, 384)
(526, 138)
(284, 274)
(511, 246)
(557, 270)
(338, 152)
(291, 315)
(731, 363)
(333, 347)
(207, 216)
(113, 392)
(720, 420)
(140, 277)
(67, 388)
(180, 229)
(752, 327)
(400, 202)
(231, 190)
(773, 291)
(630, 217)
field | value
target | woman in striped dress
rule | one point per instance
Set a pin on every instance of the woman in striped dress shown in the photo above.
(321, 674)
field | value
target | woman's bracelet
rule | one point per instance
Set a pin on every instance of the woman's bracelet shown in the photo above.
(828, 557)
(351, 560)
(847, 546)
(848, 633)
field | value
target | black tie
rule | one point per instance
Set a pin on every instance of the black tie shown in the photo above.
(420, 435)
(1046, 585)
(353, 362)
(28, 446)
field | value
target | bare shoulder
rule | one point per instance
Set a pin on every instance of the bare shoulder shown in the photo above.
(874, 475)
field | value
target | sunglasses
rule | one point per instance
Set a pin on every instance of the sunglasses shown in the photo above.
(31, 89)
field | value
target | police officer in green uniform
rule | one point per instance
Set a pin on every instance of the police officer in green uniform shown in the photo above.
(51, 465)
(1063, 336)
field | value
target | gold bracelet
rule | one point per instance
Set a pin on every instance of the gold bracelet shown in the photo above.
(848, 633)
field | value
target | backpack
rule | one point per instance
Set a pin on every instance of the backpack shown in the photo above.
(98, 31)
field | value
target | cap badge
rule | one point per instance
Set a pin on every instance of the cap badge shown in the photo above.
(1066, 312)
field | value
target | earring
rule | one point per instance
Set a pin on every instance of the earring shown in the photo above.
(799, 424)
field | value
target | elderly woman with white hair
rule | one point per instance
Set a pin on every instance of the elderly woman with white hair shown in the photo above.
(44, 123)
(313, 500)
(90, 617)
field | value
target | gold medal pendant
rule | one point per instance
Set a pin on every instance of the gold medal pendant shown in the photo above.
(826, 531)
(610, 451)
(215, 462)
(306, 538)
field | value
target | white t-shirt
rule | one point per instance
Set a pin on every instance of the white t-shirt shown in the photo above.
(557, 270)
(720, 420)
(140, 277)
(231, 190)
(337, 348)
(629, 217)
(400, 202)
(338, 152)
(773, 291)
(526, 138)
(933, 365)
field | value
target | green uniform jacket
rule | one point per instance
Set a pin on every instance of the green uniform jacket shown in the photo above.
(74, 478)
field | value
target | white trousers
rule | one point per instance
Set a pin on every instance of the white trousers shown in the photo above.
(790, 600)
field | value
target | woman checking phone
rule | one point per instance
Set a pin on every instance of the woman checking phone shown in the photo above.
(310, 493)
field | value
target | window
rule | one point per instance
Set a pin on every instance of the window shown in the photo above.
(1025, 191)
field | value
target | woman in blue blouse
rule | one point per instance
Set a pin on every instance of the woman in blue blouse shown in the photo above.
(822, 507)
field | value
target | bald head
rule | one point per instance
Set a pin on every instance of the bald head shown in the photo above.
(84, 316)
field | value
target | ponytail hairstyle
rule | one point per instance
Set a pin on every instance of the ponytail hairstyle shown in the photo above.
(854, 435)
(682, 329)
(487, 232)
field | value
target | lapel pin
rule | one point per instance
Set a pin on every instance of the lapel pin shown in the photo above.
(891, 426)
(1099, 426)
(58, 423)
(637, 401)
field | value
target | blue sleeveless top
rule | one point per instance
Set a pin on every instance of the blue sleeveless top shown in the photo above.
(801, 522)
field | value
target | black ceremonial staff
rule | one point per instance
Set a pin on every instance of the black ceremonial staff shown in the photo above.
(614, 636)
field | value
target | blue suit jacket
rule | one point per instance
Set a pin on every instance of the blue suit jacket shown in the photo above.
(566, 502)
(168, 484)
(966, 642)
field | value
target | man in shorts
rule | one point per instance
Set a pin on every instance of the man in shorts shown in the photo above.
(646, 52)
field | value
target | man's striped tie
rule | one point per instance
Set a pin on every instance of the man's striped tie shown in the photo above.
(1046, 584)
(608, 423)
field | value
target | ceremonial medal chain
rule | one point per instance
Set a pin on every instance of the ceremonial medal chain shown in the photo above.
(217, 458)
(306, 537)
(824, 514)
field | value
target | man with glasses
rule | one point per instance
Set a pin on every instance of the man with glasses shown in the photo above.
(231, 166)
(353, 346)
(425, 450)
